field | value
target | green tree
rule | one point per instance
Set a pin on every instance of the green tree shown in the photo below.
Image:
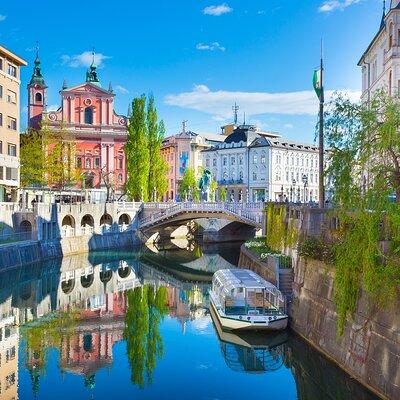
(137, 152)
(223, 194)
(364, 168)
(157, 166)
(213, 190)
(188, 187)
(32, 154)
(146, 308)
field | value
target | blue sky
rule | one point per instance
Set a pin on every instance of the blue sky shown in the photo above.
(197, 57)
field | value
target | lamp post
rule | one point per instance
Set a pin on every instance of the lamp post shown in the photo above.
(293, 190)
(282, 194)
(305, 182)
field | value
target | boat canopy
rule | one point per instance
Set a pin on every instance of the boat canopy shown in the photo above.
(242, 290)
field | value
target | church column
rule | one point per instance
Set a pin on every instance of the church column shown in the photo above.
(111, 157)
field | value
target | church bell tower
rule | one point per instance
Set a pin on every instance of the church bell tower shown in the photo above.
(36, 96)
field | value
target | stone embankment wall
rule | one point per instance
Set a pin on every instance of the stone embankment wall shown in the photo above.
(21, 253)
(369, 349)
(268, 269)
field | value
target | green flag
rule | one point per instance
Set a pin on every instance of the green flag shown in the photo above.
(317, 82)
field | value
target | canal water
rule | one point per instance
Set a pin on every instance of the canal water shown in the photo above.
(135, 325)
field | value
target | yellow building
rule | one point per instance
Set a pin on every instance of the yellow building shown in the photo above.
(9, 123)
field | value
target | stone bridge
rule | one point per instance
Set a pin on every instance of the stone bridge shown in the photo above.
(239, 217)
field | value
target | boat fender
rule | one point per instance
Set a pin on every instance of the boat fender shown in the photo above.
(248, 318)
(269, 318)
(240, 317)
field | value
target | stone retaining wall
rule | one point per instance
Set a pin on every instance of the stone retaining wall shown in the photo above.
(369, 349)
(21, 253)
(268, 269)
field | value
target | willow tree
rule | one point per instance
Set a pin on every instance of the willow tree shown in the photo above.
(137, 152)
(364, 169)
(157, 182)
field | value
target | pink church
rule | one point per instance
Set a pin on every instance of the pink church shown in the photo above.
(86, 111)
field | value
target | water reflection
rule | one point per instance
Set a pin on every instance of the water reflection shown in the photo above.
(140, 319)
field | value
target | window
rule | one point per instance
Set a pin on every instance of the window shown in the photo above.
(120, 178)
(10, 380)
(12, 123)
(10, 354)
(1, 92)
(255, 158)
(1, 119)
(1, 147)
(1, 64)
(12, 150)
(97, 162)
(11, 174)
(120, 163)
(1, 178)
(254, 176)
(262, 158)
(241, 175)
(38, 97)
(224, 161)
(214, 162)
(88, 115)
(88, 163)
(241, 160)
(233, 160)
(79, 162)
(12, 70)
(11, 97)
(207, 162)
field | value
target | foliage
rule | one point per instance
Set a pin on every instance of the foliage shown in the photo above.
(262, 251)
(188, 187)
(213, 190)
(317, 249)
(223, 194)
(364, 166)
(146, 308)
(48, 157)
(280, 231)
(158, 168)
(137, 152)
(32, 156)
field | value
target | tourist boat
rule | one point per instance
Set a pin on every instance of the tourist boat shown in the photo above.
(242, 300)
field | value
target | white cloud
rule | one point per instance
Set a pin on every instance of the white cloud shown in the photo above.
(219, 103)
(53, 107)
(332, 5)
(288, 126)
(121, 89)
(211, 47)
(84, 59)
(216, 11)
(2, 17)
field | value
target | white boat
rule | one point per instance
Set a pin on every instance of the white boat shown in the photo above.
(242, 300)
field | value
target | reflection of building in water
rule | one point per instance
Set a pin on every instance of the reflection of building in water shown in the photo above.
(101, 326)
(186, 304)
(9, 342)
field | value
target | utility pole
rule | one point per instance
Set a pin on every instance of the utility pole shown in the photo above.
(321, 134)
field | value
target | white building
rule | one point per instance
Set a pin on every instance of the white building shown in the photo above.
(380, 62)
(254, 165)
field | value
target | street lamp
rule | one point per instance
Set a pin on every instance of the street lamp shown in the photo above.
(305, 182)
(293, 190)
(282, 193)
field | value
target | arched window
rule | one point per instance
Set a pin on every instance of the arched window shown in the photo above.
(88, 115)
(38, 97)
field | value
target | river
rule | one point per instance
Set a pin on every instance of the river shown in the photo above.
(135, 325)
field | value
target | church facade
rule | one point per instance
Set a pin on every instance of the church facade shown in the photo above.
(87, 114)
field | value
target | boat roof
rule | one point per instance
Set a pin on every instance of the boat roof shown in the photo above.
(242, 278)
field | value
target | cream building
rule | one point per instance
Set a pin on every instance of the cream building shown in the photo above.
(380, 62)
(9, 123)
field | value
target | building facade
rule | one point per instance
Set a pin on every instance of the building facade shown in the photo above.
(10, 65)
(252, 165)
(183, 151)
(380, 62)
(87, 114)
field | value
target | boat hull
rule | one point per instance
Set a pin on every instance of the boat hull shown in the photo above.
(233, 324)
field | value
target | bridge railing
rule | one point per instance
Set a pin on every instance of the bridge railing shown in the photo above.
(250, 212)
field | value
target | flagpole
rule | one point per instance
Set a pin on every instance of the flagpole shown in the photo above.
(321, 136)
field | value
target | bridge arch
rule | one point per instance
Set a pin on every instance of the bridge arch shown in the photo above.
(87, 280)
(87, 220)
(124, 219)
(68, 220)
(106, 219)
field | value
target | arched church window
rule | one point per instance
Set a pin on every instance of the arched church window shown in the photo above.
(38, 97)
(88, 115)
